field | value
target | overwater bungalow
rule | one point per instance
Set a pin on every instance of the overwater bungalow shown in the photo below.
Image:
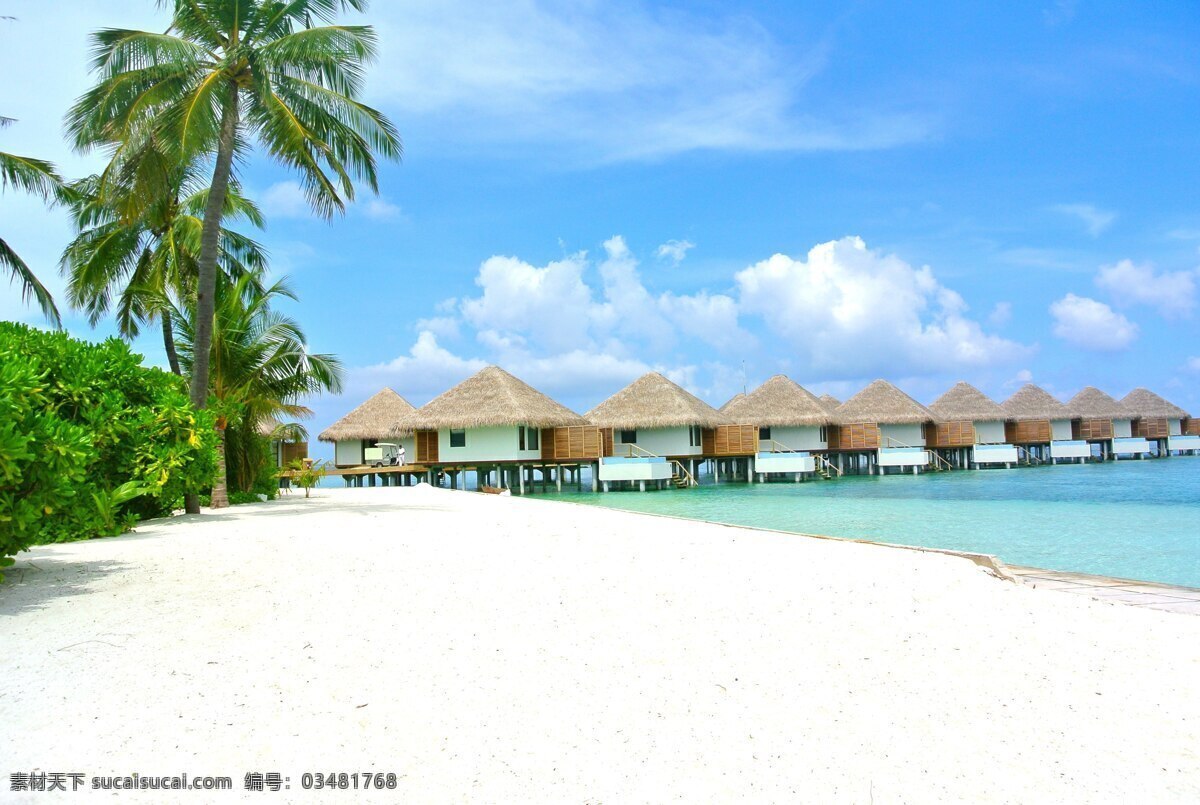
(1098, 419)
(1040, 427)
(656, 431)
(357, 435)
(791, 424)
(880, 427)
(1159, 421)
(968, 430)
(505, 431)
(829, 402)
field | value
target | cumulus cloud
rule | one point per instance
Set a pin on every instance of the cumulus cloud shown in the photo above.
(1173, 293)
(674, 250)
(1094, 219)
(849, 311)
(1092, 325)
(550, 303)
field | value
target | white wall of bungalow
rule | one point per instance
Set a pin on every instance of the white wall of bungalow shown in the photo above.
(509, 443)
(810, 437)
(672, 442)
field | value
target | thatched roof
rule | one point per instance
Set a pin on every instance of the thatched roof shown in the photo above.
(490, 398)
(741, 395)
(1145, 404)
(780, 402)
(371, 420)
(963, 402)
(652, 401)
(1033, 403)
(1092, 403)
(882, 403)
(829, 402)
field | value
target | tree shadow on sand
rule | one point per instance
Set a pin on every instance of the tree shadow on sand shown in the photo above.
(32, 583)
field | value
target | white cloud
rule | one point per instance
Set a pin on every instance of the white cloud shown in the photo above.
(285, 200)
(674, 250)
(1092, 325)
(426, 371)
(380, 209)
(1001, 314)
(549, 303)
(1172, 292)
(616, 81)
(1094, 219)
(1019, 379)
(852, 312)
(1193, 364)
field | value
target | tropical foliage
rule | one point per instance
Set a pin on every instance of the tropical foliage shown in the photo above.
(138, 243)
(31, 176)
(229, 72)
(261, 368)
(90, 440)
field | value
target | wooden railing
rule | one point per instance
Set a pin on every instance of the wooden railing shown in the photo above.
(684, 474)
(829, 466)
(633, 451)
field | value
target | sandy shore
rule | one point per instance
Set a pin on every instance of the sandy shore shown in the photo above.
(501, 650)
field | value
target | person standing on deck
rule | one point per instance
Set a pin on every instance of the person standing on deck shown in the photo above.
(400, 457)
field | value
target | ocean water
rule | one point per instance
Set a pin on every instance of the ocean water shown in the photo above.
(1130, 519)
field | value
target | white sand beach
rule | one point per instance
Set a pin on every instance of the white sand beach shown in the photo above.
(498, 649)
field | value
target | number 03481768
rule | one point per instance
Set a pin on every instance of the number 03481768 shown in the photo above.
(348, 780)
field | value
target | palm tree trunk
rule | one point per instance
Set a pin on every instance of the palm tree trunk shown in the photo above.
(220, 494)
(169, 344)
(210, 236)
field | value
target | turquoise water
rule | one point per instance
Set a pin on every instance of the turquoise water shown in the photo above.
(1131, 519)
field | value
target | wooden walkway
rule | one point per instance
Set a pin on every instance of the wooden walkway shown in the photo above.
(1148, 594)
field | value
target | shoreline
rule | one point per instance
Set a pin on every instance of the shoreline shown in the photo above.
(498, 648)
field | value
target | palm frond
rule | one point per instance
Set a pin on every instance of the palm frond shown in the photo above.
(31, 286)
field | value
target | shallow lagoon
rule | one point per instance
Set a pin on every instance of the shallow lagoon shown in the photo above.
(1131, 519)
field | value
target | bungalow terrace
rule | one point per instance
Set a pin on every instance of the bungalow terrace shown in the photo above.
(500, 428)
(1040, 427)
(655, 431)
(880, 427)
(968, 430)
(791, 423)
(1159, 421)
(1100, 420)
(357, 435)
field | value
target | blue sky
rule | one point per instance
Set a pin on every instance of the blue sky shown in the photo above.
(837, 191)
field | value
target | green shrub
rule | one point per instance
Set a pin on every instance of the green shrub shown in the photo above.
(90, 439)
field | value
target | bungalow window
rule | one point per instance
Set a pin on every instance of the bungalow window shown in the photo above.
(458, 438)
(764, 434)
(366, 445)
(628, 437)
(694, 436)
(824, 433)
(527, 438)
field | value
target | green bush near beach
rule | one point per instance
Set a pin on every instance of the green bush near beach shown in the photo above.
(90, 440)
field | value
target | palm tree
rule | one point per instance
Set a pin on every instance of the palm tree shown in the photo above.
(32, 176)
(139, 243)
(261, 367)
(227, 72)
